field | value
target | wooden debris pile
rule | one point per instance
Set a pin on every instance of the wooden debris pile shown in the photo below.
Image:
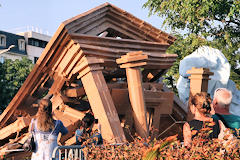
(107, 60)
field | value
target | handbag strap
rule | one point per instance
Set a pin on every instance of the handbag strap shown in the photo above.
(32, 126)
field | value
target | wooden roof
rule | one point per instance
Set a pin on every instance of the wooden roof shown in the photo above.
(81, 36)
(117, 22)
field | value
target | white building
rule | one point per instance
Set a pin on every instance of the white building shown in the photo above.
(29, 44)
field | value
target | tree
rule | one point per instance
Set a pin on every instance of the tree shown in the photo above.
(12, 76)
(202, 22)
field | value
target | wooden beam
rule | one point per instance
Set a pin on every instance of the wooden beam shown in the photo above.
(18, 125)
(74, 92)
(135, 88)
(119, 43)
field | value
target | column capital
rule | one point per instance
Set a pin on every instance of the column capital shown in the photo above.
(132, 59)
(86, 65)
(199, 73)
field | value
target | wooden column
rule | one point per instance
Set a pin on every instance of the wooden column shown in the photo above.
(100, 99)
(198, 83)
(132, 62)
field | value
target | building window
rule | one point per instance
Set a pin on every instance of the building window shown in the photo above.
(35, 59)
(43, 44)
(2, 40)
(21, 44)
(2, 59)
(30, 42)
(36, 43)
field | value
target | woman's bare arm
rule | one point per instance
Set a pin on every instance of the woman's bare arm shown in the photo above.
(187, 135)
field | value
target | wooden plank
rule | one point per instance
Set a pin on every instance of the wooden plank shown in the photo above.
(57, 100)
(112, 55)
(18, 125)
(72, 112)
(145, 27)
(57, 85)
(90, 23)
(66, 61)
(61, 54)
(118, 43)
(96, 25)
(74, 23)
(131, 59)
(74, 92)
(73, 64)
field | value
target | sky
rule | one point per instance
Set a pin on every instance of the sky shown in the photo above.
(46, 15)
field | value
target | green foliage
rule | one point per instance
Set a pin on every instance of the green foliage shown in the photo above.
(204, 22)
(210, 17)
(12, 76)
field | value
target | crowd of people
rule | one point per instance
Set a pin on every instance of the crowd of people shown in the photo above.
(213, 114)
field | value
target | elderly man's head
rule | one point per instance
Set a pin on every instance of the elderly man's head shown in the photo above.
(222, 100)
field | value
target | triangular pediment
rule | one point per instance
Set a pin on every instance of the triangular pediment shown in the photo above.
(115, 22)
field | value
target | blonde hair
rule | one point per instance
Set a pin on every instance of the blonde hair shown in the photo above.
(44, 117)
(202, 102)
(223, 97)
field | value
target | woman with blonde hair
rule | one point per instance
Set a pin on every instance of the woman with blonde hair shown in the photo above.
(45, 130)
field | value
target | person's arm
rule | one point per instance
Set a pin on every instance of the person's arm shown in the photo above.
(224, 132)
(187, 135)
(227, 138)
(99, 128)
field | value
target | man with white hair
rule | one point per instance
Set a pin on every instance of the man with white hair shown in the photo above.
(221, 104)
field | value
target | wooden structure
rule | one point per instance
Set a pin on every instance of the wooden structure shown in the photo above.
(79, 66)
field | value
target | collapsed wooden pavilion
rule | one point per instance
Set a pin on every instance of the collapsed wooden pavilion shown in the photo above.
(107, 60)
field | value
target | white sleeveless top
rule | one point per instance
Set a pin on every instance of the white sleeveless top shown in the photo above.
(45, 143)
